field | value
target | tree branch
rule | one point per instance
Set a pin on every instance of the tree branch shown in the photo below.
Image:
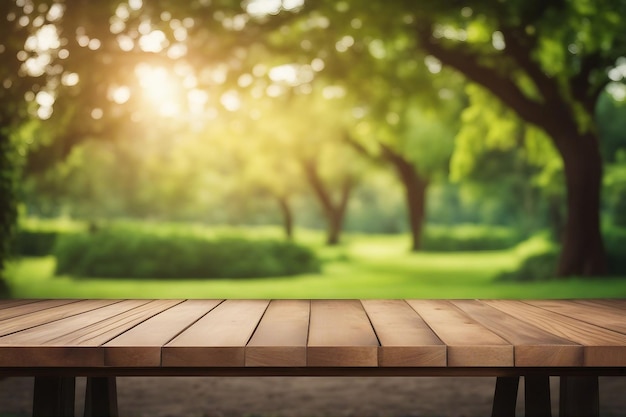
(468, 63)
(520, 52)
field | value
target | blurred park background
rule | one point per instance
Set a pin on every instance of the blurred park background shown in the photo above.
(301, 148)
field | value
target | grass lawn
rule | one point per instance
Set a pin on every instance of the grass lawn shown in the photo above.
(363, 267)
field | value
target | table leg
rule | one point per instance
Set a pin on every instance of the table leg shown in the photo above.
(54, 396)
(579, 396)
(101, 397)
(537, 396)
(505, 397)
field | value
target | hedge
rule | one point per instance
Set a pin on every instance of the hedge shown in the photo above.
(35, 242)
(468, 237)
(125, 253)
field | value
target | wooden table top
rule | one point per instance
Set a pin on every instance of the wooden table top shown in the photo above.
(312, 333)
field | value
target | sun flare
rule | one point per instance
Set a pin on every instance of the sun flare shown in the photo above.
(160, 88)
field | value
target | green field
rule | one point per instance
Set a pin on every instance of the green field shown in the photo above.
(363, 267)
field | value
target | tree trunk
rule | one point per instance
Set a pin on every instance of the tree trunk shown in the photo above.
(285, 209)
(337, 214)
(333, 211)
(583, 251)
(415, 187)
(415, 192)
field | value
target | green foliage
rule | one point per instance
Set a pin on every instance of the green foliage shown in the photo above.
(37, 237)
(615, 191)
(615, 240)
(539, 259)
(611, 117)
(35, 242)
(123, 252)
(8, 203)
(468, 238)
(536, 267)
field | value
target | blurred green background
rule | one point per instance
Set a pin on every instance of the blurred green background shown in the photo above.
(295, 149)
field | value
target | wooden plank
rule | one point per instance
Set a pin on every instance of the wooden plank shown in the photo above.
(51, 314)
(47, 345)
(617, 304)
(101, 332)
(405, 339)
(217, 339)
(281, 337)
(340, 334)
(594, 313)
(610, 302)
(602, 347)
(469, 343)
(533, 346)
(22, 309)
(14, 302)
(141, 345)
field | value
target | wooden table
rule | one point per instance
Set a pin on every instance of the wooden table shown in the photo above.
(57, 340)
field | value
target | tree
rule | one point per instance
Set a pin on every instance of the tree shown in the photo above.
(328, 165)
(407, 107)
(548, 62)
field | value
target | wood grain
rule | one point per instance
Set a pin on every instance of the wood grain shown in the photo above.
(141, 345)
(217, 339)
(42, 345)
(609, 317)
(45, 312)
(533, 346)
(20, 310)
(407, 334)
(6, 303)
(602, 347)
(281, 338)
(469, 343)
(406, 340)
(340, 334)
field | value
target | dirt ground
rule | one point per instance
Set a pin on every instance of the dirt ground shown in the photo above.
(303, 397)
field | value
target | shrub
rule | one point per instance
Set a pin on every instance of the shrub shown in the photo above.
(615, 241)
(37, 237)
(35, 242)
(119, 252)
(468, 238)
(535, 267)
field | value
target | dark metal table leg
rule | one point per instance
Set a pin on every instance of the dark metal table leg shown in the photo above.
(537, 396)
(505, 397)
(101, 397)
(54, 396)
(579, 396)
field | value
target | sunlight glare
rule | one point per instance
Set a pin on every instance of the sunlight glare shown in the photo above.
(160, 88)
(154, 41)
(197, 100)
(120, 95)
(230, 100)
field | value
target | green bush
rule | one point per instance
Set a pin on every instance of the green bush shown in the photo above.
(535, 267)
(35, 242)
(468, 238)
(615, 242)
(124, 252)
